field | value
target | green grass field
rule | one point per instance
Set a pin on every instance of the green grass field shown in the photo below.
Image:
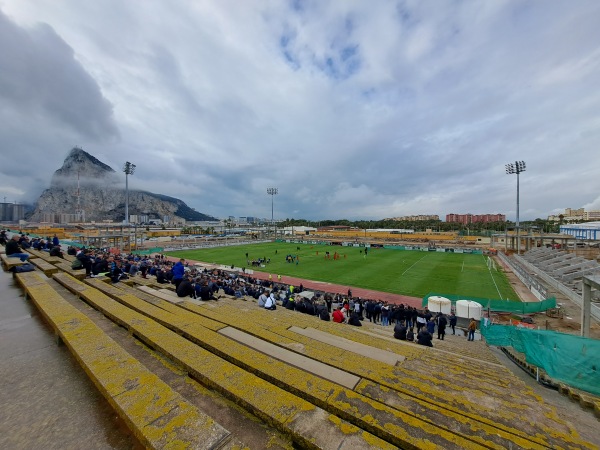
(405, 272)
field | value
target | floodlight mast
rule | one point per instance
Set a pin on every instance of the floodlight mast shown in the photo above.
(129, 169)
(516, 168)
(272, 192)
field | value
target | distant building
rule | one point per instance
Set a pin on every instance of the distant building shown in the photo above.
(336, 228)
(466, 219)
(586, 231)
(61, 218)
(11, 212)
(575, 215)
(416, 218)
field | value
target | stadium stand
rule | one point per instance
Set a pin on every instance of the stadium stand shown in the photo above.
(324, 385)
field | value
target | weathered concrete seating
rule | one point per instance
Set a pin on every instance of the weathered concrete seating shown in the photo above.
(156, 414)
(45, 256)
(309, 425)
(167, 295)
(441, 400)
(66, 267)
(45, 266)
(9, 262)
(306, 386)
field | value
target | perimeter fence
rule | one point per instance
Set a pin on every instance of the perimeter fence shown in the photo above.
(565, 357)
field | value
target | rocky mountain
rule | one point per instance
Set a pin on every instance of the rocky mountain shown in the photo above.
(84, 183)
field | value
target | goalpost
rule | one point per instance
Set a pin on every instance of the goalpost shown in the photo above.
(491, 264)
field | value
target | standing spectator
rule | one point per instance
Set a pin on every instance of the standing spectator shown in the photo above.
(472, 327)
(431, 326)
(441, 326)
(178, 271)
(385, 315)
(453, 320)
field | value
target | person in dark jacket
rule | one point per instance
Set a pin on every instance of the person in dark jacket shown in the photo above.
(206, 292)
(185, 288)
(400, 331)
(424, 338)
(14, 250)
(453, 320)
(56, 251)
(86, 261)
(354, 319)
(441, 326)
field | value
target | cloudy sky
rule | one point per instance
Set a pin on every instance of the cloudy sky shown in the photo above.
(352, 109)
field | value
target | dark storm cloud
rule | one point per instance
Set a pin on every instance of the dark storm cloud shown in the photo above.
(39, 75)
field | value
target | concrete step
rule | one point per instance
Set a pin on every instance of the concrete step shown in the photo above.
(309, 425)
(215, 324)
(153, 411)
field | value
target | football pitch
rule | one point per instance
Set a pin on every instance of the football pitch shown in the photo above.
(405, 272)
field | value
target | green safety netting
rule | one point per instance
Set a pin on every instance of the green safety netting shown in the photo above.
(565, 357)
(500, 305)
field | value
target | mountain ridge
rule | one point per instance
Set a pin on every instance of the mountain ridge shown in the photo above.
(84, 183)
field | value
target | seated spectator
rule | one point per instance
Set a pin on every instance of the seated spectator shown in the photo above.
(410, 335)
(322, 312)
(86, 262)
(14, 250)
(262, 299)
(424, 338)
(400, 331)
(206, 292)
(116, 274)
(338, 315)
(270, 303)
(185, 288)
(56, 251)
(100, 266)
(354, 319)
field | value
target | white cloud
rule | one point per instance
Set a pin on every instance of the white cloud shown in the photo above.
(352, 109)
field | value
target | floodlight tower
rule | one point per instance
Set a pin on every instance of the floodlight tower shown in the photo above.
(512, 168)
(129, 169)
(272, 192)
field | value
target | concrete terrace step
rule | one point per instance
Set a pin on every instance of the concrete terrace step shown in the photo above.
(310, 426)
(158, 416)
(232, 314)
(454, 343)
(66, 267)
(407, 392)
(9, 262)
(45, 256)
(45, 266)
(307, 385)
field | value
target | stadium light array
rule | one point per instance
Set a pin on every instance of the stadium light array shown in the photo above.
(516, 168)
